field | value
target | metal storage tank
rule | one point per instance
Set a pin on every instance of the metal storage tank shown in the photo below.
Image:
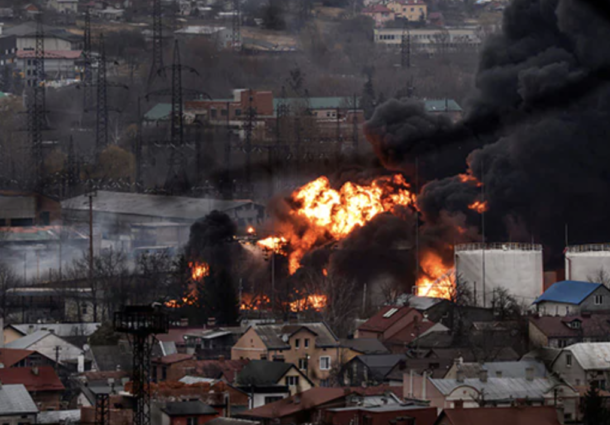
(517, 267)
(586, 262)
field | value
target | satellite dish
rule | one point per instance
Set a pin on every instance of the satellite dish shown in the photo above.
(86, 347)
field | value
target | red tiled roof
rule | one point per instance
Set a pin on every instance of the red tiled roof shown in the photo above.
(557, 327)
(11, 356)
(50, 54)
(41, 378)
(173, 358)
(539, 415)
(376, 8)
(378, 323)
(410, 332)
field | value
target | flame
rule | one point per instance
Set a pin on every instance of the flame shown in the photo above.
(310, 302)
(248, 302)
(199, 270)
(325, 272)
(469, 178)
(273, 243)
(436, 281)
(333, 214)
(251, 230)
(478, 206)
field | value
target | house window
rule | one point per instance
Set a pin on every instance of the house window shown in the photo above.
(297, 343)
(325, 363)
(292, 381)
(191, 421)
(84, 310)
(164, 373)
(325, 382)
(599, 299)
(568, 360)
(303, 364)
(575, 324)
(237, 112)
(306, 342)
(561, 343)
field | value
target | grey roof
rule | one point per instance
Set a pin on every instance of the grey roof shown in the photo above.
(500, 388)
(15, 400)
(111, 357)
(168, 347)
(591, 355)
(182, 408)
(273, 335)
(473, 354)
(59, 416)
(365, 345)
(28, 29)
(152, 205)
(507, 369)
(189, 380)
(423, 303)
(230, 421)
(263, 372)
(60, 329)
(27, 340)
(380, 365)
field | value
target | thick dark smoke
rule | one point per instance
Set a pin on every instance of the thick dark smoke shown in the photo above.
(535, 132)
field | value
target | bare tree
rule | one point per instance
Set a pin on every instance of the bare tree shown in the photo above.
(600, 276)
(8, 280)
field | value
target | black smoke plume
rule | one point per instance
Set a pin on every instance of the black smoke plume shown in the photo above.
(535, 132)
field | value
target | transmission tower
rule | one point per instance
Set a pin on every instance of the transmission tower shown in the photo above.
(88, 71)
(141, 323)
(37, 109)
(236, 26)
(405, 48)
(156, 68)
(101, 125)
(228, 186)
(102, 408)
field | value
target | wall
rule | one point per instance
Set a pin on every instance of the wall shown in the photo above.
(295, 389)
(50, 43)
(574, 375)
(11, 335)
(589, 303)
(182, 420)
(249, 346)
(536, 337)
(549, 308)
(47, 400)
(583, 265)
(18, 420)
(259, 399)
(436, 398)
(313, 371)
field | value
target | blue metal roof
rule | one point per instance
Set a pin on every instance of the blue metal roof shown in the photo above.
(568, 291)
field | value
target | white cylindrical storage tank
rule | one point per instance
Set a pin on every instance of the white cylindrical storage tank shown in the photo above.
(516, 267)
(588, 262)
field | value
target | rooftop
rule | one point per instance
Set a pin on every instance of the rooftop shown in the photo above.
(365, 345)
(568, 292)
(522, 415)
(591, 355)
(50, 54)
(188, 408)
(59, 417)
(27, 340)
(16, 400)
(9, 357)
(199, 30)
(176, 207)
(593, 325)
(60, 329)
(506, 369)
(263, 372)
(380, 364)
(40, 378)
(275, 336)
(385, 318)
(500, 388)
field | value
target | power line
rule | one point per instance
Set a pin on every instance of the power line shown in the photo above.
(156, 67)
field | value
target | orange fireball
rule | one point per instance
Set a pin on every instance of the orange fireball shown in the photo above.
(436, 281)
(478, 206)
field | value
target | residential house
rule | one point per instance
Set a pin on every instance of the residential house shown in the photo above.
(491, 391)
(18, 209)
(63, 6)
(562, 331)
(313, 347)
(310, 406)
(522, 415)
(584, 363)
(111, 358)
(398, 414)
(498, 369)
(433, 367)
(352, 347)
(42, 383)
(49, 345)
(572, 297)
(370, 369)
(76, 333)
(268, 375)
(380, 13)
(10, 357)
(59, 417)
(387, 322)
(17, 405)
(212, 343)
(176, 366)
(187, 413)
(411, 10)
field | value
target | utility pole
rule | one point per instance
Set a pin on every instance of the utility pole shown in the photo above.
(236, 26)
(88, 71)
(37, 109)
(101, 124)
(156, 67)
